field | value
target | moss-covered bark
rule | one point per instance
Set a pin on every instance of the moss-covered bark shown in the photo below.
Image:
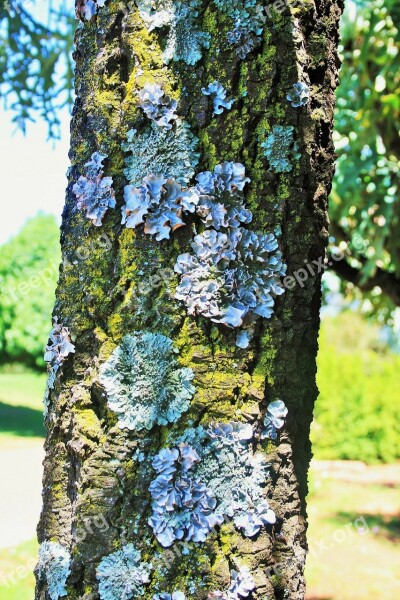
(91, 475)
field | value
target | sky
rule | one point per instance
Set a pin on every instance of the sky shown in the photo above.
(33, 173)
(32, 169)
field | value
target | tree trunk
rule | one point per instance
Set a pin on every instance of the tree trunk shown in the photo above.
(118, 280)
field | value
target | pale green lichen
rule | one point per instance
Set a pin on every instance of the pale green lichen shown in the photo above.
(144, 383)
(185, 41)
(281, 149)
(54, 568)
(122, 575)
(159, 151)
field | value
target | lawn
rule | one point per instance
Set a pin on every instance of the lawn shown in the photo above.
(21, 406)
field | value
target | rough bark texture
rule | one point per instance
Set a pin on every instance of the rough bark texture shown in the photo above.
(90, 472)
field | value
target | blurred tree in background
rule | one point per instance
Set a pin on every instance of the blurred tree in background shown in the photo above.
(364, 205)
(36, 67)
(28, 274)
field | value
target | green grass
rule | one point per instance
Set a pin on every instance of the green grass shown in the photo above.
(17, 581)
(21, 405)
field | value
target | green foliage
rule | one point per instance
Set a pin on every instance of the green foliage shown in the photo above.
(28, 274)
(357, 414)
(364, 202)
(35, 60)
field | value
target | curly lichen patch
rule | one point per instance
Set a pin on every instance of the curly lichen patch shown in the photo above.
(93, 191)
(231, 278)
(160, 203)
(299, 95)
(144, 383)
(232, 473)
(57, 351)
(274, 419)
(183, 507)
(218, 94)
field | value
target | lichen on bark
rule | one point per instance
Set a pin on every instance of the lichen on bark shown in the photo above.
(94, 472)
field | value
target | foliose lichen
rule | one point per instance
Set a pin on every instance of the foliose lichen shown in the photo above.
(94, 193)
(56, 352)
(185, 41)
(159, 203)
(274, 419)
(159, 151)
(89, 8)
(183, 508)
(60, 346)
(166, 596)
(281, 149)
(242, 584)
(299, 95)
(54, 567)
(144, 383)
(232, 278)
(233, 473)
(122, 575)
(248, 23)
(218, 94)
(157, 106)
(221, 201)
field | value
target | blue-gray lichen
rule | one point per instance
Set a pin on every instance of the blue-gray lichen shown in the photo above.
(221, 202)
(122, 575)
(54, 567)
(94, 193)
(185, 41)
(159, 108)
(144, 383)
(248, 23)
(166, 596)
(236, 476)
(299, 95)
(242, 584)
(57, 351)
(218, 94)
(280, 149)
(89, 8)
(274, 419)
(159, 204)
(233, 473)
(183, 508)
(159, 151)
(231, 278)
(60, 346)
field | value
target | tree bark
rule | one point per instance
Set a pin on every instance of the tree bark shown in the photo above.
(96, 493)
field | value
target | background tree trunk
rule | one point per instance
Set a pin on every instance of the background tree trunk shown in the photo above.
(91, 476)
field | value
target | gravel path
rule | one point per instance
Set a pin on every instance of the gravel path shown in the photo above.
(20, 491)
